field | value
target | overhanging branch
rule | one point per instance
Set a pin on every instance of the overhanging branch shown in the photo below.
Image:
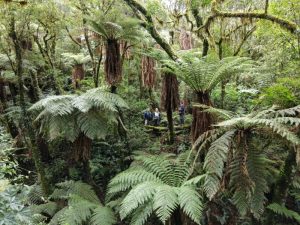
(286, 24)
(149, 26)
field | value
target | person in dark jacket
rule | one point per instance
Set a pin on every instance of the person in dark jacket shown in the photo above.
(147, 117)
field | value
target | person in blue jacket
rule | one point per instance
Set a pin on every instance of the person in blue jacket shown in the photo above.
(148, 116)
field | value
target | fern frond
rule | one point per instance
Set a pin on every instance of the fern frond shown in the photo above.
(283, 211)
(100, 99)
(165, 202)
(279, 129)
(54, 105)
(129, 178)
(49, 208)
(78, 212)
(141, 215)
(103, 216)
(289, 112)
(35, 195)
(191, 203)
(229, 67)
(139, 195)
(58, 216)
(157, 165)
(220, 113)
(215, 159)
(257, 166)
(195, 180)
(93, 124)
(76, 188)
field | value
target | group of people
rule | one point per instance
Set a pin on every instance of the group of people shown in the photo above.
(155, 117)
(152, 116)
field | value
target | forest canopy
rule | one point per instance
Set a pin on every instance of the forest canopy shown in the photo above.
(149, 112)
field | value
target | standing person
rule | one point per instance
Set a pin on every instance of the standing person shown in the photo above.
(181, 113)
(157, 117)
(147, 116)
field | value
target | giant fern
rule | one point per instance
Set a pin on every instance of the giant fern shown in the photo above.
(91, 113)
(74, 203)
(157, 185)
(239, 137)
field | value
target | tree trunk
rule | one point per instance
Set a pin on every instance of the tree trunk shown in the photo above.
(201, 120)
(35, 85)
(170, 125)
(82, 154)
(10, 125)
(13, 92)
(26, 123)
(112, 64)
(170, 100)
(223, 93)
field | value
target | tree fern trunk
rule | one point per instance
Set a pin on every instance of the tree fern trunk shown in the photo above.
(113, 64)
(201, 120)
(82, 147)
(170, 100)
(176, 218)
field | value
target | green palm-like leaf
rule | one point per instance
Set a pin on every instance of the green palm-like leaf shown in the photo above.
(202, 75)
(76, 59)
(83, 206)
(191, 202)
(130, 178)
(215, 159)
(103, 216)
(142, 214)
(91, 113)
(283, 211)
(165, 202)
(139, 195)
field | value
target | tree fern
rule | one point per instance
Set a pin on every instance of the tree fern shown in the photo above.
(241, 135)
(81, 205)
(91, 113)
(76, 59)
(157, 185)
(202, 75)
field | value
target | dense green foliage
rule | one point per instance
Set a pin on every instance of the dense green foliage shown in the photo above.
(80, 143)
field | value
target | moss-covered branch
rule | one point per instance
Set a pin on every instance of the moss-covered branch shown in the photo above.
(184, 127)
(216, 13)
(150, 27)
